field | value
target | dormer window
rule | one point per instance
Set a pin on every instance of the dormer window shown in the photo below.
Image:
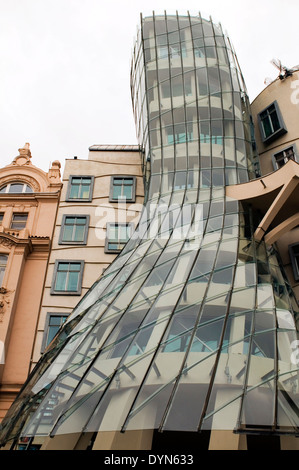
(16, 188)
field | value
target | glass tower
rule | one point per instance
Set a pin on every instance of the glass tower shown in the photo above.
(191, 327)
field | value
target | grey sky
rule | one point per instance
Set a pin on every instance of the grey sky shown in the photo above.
(65, 66)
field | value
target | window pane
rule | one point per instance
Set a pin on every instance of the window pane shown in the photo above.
(67, 233)
(275, 121)
(60, 281)
(75, 267)
(55, 321)
(85, 190)
(127, 192)
(79, 233)
(28, 189)
(16, 188)
(74, 194)
(73, 281)
(116, 191)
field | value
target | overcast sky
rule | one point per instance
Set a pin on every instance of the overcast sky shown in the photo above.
(65, 66)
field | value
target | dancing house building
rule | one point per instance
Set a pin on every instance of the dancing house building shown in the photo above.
(187, 336)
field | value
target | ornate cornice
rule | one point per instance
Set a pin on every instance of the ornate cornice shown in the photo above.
(7, 240)
(24, 179)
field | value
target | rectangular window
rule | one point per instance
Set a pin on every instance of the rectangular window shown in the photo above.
(1, 217)
(74, 229)
(52, 325)
(294, 255)
(67, 277)
(3, 263)
(18, 221)
(117, 236)
(122, 189)
(281, 158)
(80, 188)
(271, 123)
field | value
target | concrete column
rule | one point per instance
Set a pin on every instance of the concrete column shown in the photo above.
(227, 440)
(61, 442)
(129, 440)
(289, 443)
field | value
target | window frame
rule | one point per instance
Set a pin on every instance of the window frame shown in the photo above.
(279, 132)
(274, 159)
(47, 326)
(8, 185)
(69, 188)
(124, 200)
(3, 266)
(109, 224)
(12, 220)
(63, 223)
(80, 277)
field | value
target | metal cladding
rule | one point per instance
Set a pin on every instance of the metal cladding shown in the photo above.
(192, 326)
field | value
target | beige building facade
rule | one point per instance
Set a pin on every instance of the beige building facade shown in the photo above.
(100, 204)
(28, 203)
(276, 115)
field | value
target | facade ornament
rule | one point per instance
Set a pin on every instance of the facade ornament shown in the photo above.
(54, 172)
(6, 242)
(24, 178)
(24, 156)
(4, 301)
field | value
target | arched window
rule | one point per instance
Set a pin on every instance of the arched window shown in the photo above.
(3, 263)
(16, 187)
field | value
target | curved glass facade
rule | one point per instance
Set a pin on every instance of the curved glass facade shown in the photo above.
(192, 325)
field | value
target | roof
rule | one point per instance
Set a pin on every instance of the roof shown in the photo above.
(115, 148)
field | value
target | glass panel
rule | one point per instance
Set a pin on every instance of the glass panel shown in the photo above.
(79, 233)
(16, 188)
(55, 323)
(60, 284)
(85, 190)
(73, 281)
(75, 188)
(67, 233)
(287, 401)
(259, 406)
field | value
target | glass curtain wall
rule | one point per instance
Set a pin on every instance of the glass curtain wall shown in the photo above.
(192, 326)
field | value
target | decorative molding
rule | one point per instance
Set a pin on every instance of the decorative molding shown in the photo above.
(6, 242)
(5, 299)
(24, 179)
